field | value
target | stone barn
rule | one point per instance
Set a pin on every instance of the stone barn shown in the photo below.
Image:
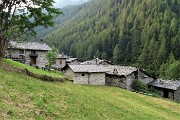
(167, 88)
(60, 61)
(86, 74)
(30, 53)
(123, 76)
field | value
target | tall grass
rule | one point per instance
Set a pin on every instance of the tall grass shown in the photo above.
(23, 97)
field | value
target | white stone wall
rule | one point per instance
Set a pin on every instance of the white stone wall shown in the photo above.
(129, 80)
(58, 65)
(97, 78)
(81, 78)
(68, 72)
(27, 57)
(90, 78)
(41, 60)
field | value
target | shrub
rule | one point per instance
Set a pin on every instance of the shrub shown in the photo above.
(139, 86)
(173, 71)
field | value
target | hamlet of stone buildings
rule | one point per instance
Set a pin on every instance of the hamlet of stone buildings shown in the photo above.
(91, 72)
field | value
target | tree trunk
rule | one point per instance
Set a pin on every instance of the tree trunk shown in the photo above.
(3, 44)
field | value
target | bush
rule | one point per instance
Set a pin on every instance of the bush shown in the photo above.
(139, 86)
(173, 71)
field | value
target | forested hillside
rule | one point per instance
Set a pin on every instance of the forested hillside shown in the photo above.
(144, 33)
(68, 13)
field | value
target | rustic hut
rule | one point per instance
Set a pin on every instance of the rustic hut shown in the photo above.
(167, 88)
(86, 74)
(30, 53)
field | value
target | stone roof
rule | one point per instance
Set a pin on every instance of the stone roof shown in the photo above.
(95, 61)
(62, 56)
(168, 84)
(88, 68)
(109, 69)
(120, 70)
(71, 59)
(29, 45)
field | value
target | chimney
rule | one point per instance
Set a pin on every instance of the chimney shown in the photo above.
(97, 61)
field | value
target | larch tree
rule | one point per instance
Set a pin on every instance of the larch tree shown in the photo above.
(18, 17)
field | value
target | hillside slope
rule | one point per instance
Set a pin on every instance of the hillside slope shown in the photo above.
(68, 13)
(23, 97)
(140, 32)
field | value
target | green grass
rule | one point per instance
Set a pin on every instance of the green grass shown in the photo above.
(32, 69)
(23, 97)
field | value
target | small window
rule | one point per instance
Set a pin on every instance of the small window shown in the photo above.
(21, 57)
(21, 51)
(82, 74)
(60, 61)
(33, 52)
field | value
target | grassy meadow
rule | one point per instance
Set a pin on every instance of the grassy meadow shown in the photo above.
(32, 69)
(23, 97)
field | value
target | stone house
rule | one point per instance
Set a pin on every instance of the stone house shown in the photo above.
(30, 53)
(86, 74)
(62, 60)
(112, 75)
(123, 76)
(167, 88)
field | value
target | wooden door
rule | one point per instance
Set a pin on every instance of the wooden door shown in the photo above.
(33, 60)
(166, 93)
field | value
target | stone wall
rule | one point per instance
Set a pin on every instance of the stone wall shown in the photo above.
(90, 78)
(129, 79)
(144, 78)
(160, 92)
(177, 95)
(81, 78)
(97, 78)
(68, 72)
(174, 95)
(117, 81)
(59, 64)
(41, 60)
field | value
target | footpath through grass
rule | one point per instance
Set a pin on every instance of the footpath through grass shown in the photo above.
(32, 69)
(22, 97)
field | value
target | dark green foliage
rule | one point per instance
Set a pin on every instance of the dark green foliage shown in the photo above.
(141, 32)
(51, 56)
(20, 17)
(173, 71)
(139, 86)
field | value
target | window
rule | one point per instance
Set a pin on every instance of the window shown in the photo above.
(60, 61)
(21, 57)
(33, 52)
(82, 74)
(21, 51)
